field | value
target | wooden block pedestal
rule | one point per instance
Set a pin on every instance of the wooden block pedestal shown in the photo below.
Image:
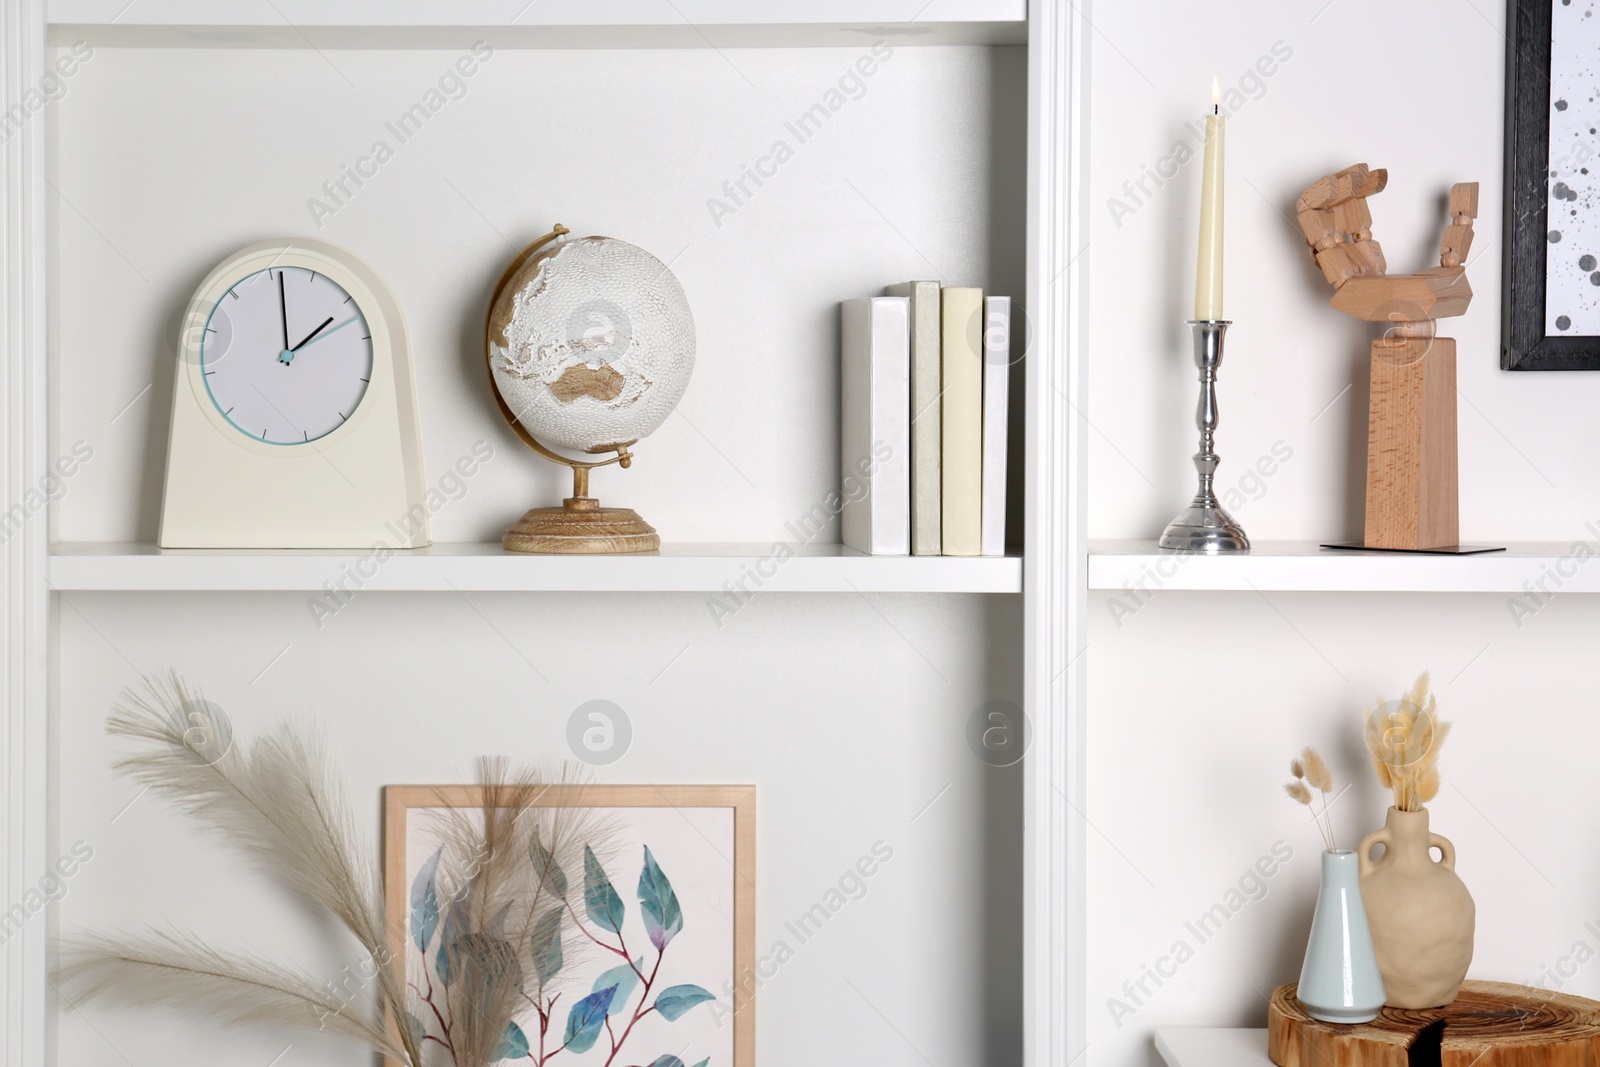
(1491, 1024)
(1412, 483)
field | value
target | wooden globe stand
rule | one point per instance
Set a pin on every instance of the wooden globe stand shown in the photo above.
(1489, 1024)
(580, 526)
(1412, 489)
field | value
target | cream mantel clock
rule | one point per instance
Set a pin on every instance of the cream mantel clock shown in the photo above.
(294, 408)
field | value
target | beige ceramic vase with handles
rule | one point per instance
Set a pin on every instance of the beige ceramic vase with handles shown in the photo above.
(1422, 916)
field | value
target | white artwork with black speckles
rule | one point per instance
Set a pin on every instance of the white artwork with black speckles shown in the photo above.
(1572, 266)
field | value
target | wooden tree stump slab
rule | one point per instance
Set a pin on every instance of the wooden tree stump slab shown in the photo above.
(1491, 1024)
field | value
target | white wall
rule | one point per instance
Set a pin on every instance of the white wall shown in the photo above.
(167, 161)
(808, 697)
(848, 713)
(1197, 702)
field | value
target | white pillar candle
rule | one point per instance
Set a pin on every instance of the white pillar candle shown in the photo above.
(1208, 272)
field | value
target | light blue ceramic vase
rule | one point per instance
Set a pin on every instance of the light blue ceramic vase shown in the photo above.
(1339, 981)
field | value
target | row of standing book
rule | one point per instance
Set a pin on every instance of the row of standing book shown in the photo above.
(923, 386)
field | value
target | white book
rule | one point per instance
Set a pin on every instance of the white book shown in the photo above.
(961, 496)
(996, 390)
(927, 381)
(875, 424)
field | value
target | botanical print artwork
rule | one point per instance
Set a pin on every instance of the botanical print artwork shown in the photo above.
(633, 961)
(1572, 249)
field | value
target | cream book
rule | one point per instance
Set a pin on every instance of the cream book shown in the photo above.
(961, 490)
(996, 390)
(875, 424)
(926, 382)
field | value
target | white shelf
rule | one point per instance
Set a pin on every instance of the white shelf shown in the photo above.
(1302, 566)
(539, 24)
(1194, 1046)
(134, 567)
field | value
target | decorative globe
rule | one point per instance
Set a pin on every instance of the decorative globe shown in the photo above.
(591, 344)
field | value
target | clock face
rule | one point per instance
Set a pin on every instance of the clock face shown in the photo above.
(286, 355)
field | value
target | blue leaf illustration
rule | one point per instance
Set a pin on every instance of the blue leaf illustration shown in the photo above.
(599, 899)
(667, 1061)
(455, 928)
(675, 1000)
(586, 1018)
(545, 867)
(513, 1043)
(546, 945)
(624, 978)
(441, 963)
(703, 1062)
(663, 918)
(415, 1025)
(425, 903)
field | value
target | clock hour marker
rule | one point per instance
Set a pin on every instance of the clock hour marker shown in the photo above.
(366, 379)
(348, 299)
(233, 294)
(341, 416)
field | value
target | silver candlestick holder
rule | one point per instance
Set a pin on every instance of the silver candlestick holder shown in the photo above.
(1204, 526)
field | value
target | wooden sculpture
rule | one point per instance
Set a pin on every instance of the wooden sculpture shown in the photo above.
(1411, 420)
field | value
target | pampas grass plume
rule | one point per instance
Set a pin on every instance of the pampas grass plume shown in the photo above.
(1404, 743)
(1317, 772)
(1310, 767)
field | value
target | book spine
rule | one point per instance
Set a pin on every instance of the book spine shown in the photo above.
(961, 503)
(926, 384)
(996, 389)
(855, 424)
(874, 425)
(891, 426)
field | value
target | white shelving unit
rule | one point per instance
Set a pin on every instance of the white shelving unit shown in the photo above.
(683, 568)
(543, 24)
(1039, 596)
(1200, 1046)
(1306, 567)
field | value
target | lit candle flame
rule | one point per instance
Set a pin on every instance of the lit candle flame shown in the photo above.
(1216, 95)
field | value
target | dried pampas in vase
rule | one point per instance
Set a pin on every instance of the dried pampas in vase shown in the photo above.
(1404, 737)
(1310, 771)
(1339, 979)
(1421, 914)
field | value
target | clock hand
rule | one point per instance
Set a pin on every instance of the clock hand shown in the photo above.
(315, 339)
(312, 334)
(283, 311)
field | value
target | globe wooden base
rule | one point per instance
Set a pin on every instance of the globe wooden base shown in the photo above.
(581, 526)
(1489, 1024)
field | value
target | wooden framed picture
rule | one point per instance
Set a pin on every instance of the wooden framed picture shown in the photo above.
(1551, 313)
(625, 913)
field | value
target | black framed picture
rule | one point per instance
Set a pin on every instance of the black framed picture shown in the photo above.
(1551, 313)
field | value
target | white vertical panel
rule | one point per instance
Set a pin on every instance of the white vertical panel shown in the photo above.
(24, 612)
(1056, 553)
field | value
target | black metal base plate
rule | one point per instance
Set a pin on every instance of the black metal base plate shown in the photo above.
(1447, 550)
